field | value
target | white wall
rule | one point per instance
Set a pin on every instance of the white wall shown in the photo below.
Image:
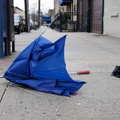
(112, 17)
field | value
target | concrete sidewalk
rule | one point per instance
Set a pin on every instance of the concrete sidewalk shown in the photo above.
(99, 99)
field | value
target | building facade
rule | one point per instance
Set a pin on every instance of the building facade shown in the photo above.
(97, 16)
(112, 17)
(92, 15)
(67, 9)
(17, 10)
(87, 15)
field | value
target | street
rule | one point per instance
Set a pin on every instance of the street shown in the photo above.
(99, 99)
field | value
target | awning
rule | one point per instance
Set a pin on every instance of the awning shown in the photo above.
(63, 2)
(46, 19)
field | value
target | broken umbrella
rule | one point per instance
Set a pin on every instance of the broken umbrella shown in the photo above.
(41, 66)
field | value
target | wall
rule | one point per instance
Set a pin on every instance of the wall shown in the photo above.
(1, 29)
(112, 17)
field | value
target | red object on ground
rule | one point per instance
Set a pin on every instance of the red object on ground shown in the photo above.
(83, 72)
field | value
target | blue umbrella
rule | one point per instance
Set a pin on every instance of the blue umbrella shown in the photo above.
(41, 66)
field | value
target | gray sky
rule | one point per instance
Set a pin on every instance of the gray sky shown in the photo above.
(45, 4)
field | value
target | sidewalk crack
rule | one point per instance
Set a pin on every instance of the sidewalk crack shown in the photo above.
(4, 92)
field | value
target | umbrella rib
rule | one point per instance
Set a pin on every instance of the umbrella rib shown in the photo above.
(49, 26)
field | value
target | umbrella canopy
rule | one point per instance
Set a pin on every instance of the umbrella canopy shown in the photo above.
(41, 66)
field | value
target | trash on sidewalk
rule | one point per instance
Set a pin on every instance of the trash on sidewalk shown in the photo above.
(116, 72)
(41, 66)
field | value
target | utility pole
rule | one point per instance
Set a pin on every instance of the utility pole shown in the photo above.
(27, 20)
(38, 13)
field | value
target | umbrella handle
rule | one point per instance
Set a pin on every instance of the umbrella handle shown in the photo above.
(83, 72)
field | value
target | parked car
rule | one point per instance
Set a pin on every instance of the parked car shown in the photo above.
(18, 23)
(24, 25)
(31, 24)
(36, 25)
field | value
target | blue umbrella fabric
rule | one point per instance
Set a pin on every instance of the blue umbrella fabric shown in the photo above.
(41, 66)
